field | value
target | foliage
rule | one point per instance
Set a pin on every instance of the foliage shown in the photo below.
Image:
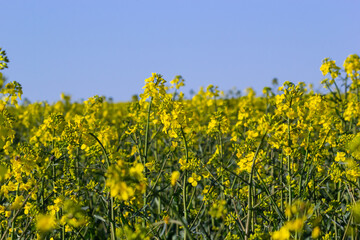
(284, 165)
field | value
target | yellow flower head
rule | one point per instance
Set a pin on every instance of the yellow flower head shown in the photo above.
(45, 223)
(194, 179)
(174, 177)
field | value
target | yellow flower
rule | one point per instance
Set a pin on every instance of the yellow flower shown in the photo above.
(282, 234)
(329, 66)
(17, 203)
(218, 209)
(45, 223)
(122, 191)
(206, 189)
(166, 219)
(295, 225)
(137, 170)
(340, 157)
(183, 163)
(315, 232)
(174, 177)
(245, 163)
(194, 179)
(352, 65)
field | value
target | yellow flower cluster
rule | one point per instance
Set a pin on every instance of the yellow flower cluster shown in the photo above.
(125, 181)
(214, 165)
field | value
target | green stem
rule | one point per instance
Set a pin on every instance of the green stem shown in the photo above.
(281, 182)
(305, 162)
(111, 214)
(146, 150)
(192, 196)
(184, 180)
(250, 197)
(289, 163)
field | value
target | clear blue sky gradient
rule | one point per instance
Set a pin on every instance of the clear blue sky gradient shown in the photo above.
(84, 48)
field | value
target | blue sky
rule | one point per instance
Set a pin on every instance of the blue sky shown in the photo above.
(84, 48)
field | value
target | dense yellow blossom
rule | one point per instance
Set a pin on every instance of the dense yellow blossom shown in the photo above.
(174, 177)
(281, 165)
(45, 223)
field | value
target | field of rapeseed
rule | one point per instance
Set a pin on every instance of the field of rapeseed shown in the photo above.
(284, 165)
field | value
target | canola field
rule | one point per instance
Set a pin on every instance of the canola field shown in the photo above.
(280, 165)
